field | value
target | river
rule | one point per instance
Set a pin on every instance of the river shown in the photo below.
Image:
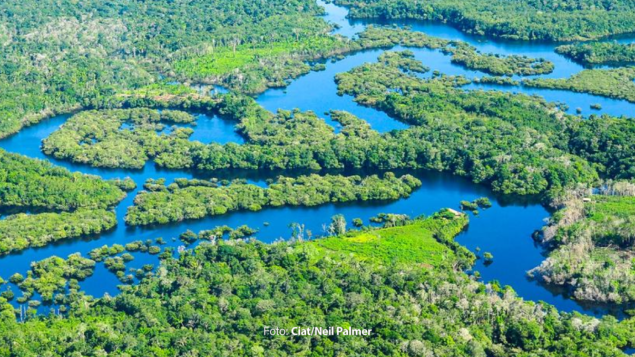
(504, 230)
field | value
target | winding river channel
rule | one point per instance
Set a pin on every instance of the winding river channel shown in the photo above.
(504, 230)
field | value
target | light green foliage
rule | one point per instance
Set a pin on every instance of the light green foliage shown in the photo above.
(22, 231)
(51, 275)
(613, 83)
(179, 202)
(414, 243)
(117, 138)
(594, 243)
(252, 68)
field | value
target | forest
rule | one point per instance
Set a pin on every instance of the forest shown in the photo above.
(517, 20)
(130, 76)
(125, 138)
(613, 83)
(21, 231)
(599, 52)
(33, 184)
(288, 140)
(186, 200)
(461, 52)
(603, 141)
(218, 297)
(84, 55)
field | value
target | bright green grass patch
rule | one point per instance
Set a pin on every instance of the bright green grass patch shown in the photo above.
(604, 207)
(411, 244)
(224, 59)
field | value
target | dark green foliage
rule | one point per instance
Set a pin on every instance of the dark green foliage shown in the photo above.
(7, 294)
(404, 60)
(243, 231)
(126, 184)
(599, 52)
(176, 116)
(606, 142)
(188, 237)
(526, 20)
(483, 202)
(467, 132)
(462, 53)
(468, 206)
(525, 130)
(28, 183)
(467, 56)
(115, 264)
(60, 56)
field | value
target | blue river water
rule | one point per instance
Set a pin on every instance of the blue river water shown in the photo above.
(504, 230)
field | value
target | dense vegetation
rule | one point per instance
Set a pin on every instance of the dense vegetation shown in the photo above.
(37, 186)
(606, 142)
(123, 61)
(602, 141)
(254, 68)
(21, 231)
(192, 200)
(117, 138)
(28, 183)
(217, 299)
(593, 242)
(462, 53)
(58, 57)
(469, 130)
(526, 20)
(599, 52)
(52, 275)
(613, 83)
(534, 162)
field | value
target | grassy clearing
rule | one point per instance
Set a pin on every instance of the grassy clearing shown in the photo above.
(411, 244)
(605, 207)
(224, 60)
